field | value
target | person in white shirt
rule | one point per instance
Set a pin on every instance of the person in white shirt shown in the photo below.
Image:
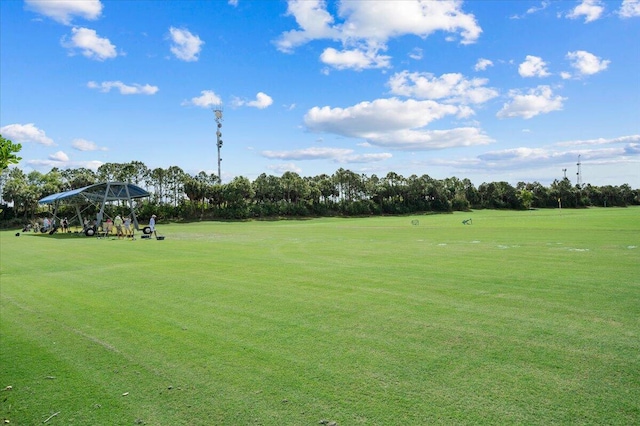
(152, 225)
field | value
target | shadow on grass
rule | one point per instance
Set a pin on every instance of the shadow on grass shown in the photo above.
(64, 236)
(56, 235)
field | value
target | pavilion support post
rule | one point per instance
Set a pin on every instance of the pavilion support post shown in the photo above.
(133, 213)
(79, 214)
(55, 214)
(104, 202)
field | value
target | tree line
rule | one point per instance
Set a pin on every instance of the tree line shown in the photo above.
(179, 195)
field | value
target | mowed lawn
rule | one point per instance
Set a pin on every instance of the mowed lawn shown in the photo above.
(528, 317)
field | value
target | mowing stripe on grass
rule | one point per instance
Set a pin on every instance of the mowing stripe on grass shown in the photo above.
(523, 317)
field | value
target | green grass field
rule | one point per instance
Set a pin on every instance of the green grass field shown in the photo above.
(526, 317)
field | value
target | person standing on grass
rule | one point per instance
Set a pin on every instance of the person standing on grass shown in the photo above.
(127, 227)
(118, 224)
(152, 224)
(108, 225)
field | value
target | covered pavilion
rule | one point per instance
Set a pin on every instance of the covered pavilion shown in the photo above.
(98, 194)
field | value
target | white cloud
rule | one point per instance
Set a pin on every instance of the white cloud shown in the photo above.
(425, 140)
(381, 20)
(206, 99)
(59, 156)
(355, 59)
(366, 27)
(63, 11)
(544, 164)
(380, 115)
(394, 123)
(262, 101)
(630, 9)
(61, 160)
(520, 155)
(233, 3)
(90, 44)
(85, 145)
(526, 158)
(416, 53)
(590, 9)
(285, 167)
(308, 154)
(134, 89)
(22, 133)
(338, 155)
(536, 101)
(631, 139)
(313, 19)
(587, 63)
(185, 46)
(532, 10)
(366, 158)
(483, 64)
(91, 164)
(533, 66)
(452, 87)
(465, 112)
(67, 164)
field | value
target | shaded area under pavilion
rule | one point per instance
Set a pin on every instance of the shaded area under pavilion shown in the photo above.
(99, 194)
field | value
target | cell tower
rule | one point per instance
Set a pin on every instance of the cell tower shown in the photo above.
(217, 110)
(579, 174)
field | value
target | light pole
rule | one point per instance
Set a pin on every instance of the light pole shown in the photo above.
(217, 110)
(579, 180)
(579, 174)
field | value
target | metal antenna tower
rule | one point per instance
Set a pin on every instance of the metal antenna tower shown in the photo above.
(217, 110)
(565, 173)
(579, 174)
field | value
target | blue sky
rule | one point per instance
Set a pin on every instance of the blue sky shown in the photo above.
(486, 90)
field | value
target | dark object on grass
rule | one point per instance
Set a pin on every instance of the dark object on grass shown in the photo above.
(17, 234)
(145, 237)
(160, 237)
(90, 232)
(146, 230)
